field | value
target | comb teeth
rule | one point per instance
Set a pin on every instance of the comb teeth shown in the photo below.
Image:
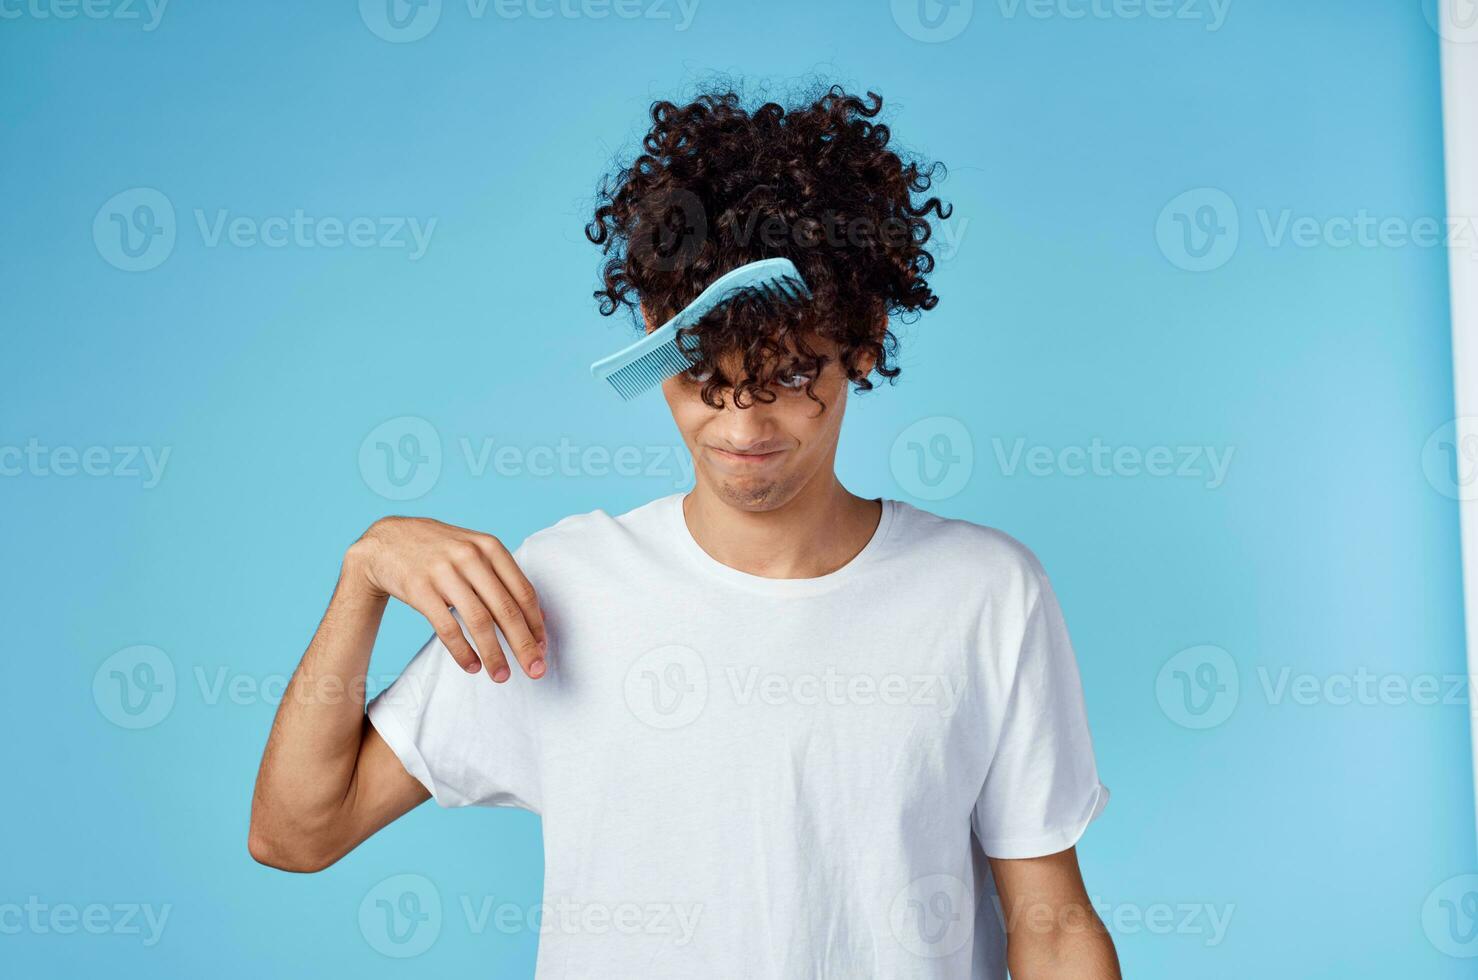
(663, 353)
(649, 370)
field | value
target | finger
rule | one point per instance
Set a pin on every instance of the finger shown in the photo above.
(510, 616)
(433, 607)
(480, 623)
(517, 585)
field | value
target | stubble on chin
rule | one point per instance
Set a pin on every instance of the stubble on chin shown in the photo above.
(755, 495)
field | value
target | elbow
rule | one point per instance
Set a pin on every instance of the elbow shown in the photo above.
(273, 851)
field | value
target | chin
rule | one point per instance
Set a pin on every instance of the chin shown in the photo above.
(755, 495)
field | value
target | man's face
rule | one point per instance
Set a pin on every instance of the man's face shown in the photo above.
(760, 457)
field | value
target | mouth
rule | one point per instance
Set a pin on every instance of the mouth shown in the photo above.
(744, 459)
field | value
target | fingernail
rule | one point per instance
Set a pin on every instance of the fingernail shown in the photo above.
(472, 668)
(536, 669)
(500, 675)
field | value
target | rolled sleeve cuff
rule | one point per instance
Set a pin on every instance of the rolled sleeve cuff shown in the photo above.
(1052, 841)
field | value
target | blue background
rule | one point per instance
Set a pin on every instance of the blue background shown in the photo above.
(1322, 829)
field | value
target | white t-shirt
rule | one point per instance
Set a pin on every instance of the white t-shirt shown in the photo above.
(742, 776)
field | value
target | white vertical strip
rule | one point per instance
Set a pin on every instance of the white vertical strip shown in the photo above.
(1456, 22)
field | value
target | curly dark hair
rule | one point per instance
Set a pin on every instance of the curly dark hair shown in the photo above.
(718, 185)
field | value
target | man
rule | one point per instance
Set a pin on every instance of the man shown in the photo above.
(830, 736)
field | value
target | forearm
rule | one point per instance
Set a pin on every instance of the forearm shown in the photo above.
(1076, 948)
(306, 780)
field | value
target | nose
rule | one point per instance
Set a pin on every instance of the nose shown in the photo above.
(750, 429)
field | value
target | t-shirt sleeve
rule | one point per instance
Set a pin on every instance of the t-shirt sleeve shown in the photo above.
(1041, 787)
(469, 741)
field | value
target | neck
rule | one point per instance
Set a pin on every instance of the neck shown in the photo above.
(814, 533)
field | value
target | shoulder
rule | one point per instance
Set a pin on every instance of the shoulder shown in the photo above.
(595, 534)
(970, 557)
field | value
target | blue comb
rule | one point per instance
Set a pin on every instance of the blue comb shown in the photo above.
(660, 354)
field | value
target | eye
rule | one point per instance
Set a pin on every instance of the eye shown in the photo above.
(793, 381)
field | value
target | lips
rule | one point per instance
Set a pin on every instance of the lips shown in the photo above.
(744, 459)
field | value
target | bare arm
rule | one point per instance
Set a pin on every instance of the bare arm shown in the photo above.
(327, 780)
(1052, 932)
